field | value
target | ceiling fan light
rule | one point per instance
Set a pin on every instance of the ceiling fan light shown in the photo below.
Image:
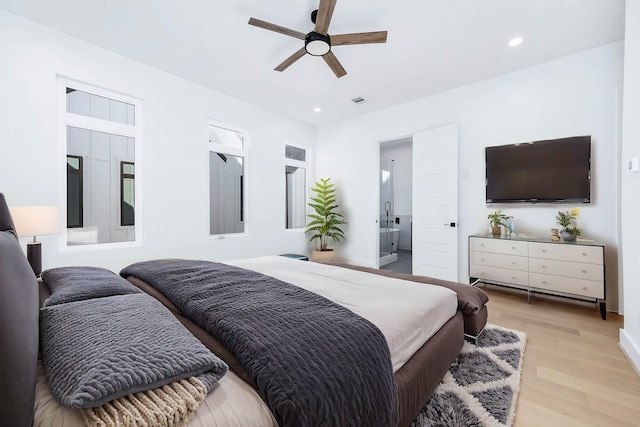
(317, 44)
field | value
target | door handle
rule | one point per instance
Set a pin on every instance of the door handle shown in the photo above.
(450, 224)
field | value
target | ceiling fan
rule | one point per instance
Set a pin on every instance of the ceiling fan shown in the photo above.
(318, 42)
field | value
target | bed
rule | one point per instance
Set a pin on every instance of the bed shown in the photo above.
(236, 399)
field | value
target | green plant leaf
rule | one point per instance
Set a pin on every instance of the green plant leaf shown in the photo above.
(325, 221)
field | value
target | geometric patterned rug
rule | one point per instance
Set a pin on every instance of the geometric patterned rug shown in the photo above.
(482, 389)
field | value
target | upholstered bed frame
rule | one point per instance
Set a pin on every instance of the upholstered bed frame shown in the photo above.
(19, 340)
(18, 327)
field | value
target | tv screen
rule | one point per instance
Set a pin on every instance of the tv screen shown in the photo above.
(557, 170)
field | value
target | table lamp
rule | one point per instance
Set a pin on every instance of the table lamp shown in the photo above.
(35, 221)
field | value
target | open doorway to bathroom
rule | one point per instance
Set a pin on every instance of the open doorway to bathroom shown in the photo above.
(396, 168)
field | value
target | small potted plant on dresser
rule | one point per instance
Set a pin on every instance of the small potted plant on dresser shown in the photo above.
(325, 222)
(496, 219)
(567, 220)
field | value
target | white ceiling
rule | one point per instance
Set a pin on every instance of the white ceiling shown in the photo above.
(432, 45)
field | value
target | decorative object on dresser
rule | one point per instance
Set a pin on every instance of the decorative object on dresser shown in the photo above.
(325, 222)
(567, 220)
(33, 221)
(497, 219)
(566, 269)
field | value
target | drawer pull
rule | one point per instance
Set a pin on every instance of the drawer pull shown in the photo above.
(584, 271)
(513, 262)
(544, 266)
(584, 288)
(544, 250)
(481, 259)
(544, 282)
(513, 247)
(584, 254)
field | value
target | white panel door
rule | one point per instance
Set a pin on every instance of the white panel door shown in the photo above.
(435, 203)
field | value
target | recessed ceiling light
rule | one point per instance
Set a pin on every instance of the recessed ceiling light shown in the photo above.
(515, 41)
(317, 109)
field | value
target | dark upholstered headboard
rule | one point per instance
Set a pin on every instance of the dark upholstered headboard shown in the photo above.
(18, 327)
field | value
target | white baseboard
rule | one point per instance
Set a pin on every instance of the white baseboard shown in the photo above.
(631, 350)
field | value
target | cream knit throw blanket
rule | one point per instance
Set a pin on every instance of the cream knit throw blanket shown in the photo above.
(170, 405)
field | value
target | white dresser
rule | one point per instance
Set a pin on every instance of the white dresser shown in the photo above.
(567, 269)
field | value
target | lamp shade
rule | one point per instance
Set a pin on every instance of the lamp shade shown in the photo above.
(36, 220)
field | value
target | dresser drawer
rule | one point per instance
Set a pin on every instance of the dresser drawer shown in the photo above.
(570, 285)
(511, 262)
(587, 254)
(516, 277)
(579, 270)
(507, 247)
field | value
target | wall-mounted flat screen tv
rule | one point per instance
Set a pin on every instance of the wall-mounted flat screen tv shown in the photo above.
(550, 171)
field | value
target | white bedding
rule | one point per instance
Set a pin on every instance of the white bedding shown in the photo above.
(231, 403)
(407, 313)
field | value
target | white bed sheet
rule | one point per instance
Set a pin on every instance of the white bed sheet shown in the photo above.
(231, 403)
(407, 313)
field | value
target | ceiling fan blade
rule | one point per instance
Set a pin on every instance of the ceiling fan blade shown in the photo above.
(359, 38)
(290, 60)
(323, 19)
(334, 64)
(277, 28)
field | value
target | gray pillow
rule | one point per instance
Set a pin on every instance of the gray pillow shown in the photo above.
(68, 284)
(101, 349)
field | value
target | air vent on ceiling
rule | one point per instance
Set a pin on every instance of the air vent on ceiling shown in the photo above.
(358, 100)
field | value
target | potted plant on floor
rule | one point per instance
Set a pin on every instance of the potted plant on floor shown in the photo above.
(325, 222)
(566, 219)
(496, 219)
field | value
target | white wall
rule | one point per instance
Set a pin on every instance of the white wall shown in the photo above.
(175, 196)
(630, 187)
(575, 95)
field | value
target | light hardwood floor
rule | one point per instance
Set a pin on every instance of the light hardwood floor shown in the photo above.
(574, 372)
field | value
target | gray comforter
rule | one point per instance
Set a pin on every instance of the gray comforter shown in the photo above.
(314, 362)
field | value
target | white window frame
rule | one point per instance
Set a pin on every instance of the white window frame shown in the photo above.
(300, 164)
(231, 151)
(66, 119)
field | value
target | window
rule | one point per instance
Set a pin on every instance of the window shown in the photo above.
(99, 107)
(221, 136)
(127, 193)
(101, 136)
(226, 180)
(295, 172)
(74, 192)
